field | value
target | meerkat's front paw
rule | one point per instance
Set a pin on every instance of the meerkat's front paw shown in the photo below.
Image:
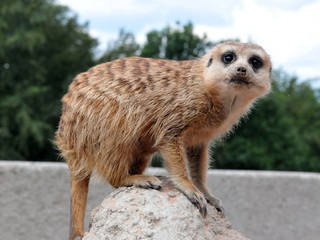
(215, 202)
(197, 199)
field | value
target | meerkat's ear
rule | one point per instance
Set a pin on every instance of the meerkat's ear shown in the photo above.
(209, 62)
(270, 74)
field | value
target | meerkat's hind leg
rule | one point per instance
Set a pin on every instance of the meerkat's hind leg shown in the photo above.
(136, 177)
(134, 174)
(139, 164)
(142, 181)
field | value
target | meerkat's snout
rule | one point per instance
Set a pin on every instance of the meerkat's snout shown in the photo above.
(242, 71)
(239, 75)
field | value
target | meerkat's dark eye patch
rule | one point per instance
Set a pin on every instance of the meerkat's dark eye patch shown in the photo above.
(256, 62)
(209, 62)
(228, 57)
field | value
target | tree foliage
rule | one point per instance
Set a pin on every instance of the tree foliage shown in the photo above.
(124, 46)
(177, 43)
(43, 47)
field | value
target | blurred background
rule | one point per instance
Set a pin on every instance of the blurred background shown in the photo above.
(45, 43)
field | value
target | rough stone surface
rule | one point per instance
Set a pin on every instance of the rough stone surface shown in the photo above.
(136, 213)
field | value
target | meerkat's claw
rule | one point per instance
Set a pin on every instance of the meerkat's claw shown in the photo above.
(156, 187)
(149, 184)
(216, 203)
(198, 200)
(203, 212)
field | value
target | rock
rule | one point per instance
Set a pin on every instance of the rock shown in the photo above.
(137, 213)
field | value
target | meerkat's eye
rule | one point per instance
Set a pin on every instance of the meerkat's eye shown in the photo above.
(256, 62)
(228, 57)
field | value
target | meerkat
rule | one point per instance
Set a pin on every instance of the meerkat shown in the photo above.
(118, 114)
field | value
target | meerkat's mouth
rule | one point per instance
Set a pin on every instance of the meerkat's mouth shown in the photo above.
(240, 80)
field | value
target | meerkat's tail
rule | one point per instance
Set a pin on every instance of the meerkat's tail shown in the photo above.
(79, 193)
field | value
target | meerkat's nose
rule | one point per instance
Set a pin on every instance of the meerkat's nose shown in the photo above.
(242, 71)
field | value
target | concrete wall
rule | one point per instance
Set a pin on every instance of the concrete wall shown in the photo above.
(34, 201)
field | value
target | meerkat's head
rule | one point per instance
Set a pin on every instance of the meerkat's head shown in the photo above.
(243, 68)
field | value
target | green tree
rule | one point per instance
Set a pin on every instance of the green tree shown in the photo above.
(42, 48)
(124, 46)
(177, 43)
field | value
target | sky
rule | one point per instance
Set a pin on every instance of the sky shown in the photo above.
(287, 29)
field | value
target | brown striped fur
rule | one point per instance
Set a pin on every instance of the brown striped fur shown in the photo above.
(117, 114)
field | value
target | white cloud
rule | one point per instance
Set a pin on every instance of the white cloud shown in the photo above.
(103, 38)
(103, 8)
